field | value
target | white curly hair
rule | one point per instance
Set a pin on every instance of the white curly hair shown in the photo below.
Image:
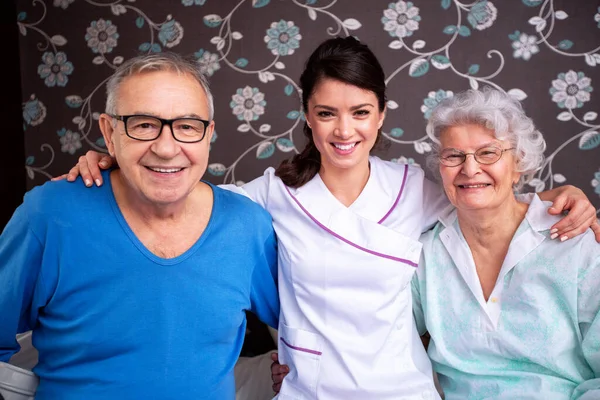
(495, 110)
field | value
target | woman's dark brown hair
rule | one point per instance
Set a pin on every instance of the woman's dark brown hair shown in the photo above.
(345, 60)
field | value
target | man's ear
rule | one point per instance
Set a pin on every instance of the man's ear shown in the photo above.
(107, 127)
(210, 129)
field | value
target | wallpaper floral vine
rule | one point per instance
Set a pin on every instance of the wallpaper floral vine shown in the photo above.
(546, 53)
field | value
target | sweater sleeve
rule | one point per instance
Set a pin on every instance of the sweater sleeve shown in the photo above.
(263, 296)
(20, 265)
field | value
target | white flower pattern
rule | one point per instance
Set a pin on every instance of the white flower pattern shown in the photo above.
(102, 36)
(571, 89)
(432, 100)
(405, 160)
(482, 15)
(209, 62)
(62, 3)
(248, 104)
(70, 142)
(283, 38)
(401, 19)
(525, 47)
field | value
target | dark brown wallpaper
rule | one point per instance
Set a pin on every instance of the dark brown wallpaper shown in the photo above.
(544, 52)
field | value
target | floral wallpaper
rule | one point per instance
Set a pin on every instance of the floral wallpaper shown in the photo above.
(546, 53)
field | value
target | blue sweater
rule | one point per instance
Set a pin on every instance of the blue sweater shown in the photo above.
(113, 321)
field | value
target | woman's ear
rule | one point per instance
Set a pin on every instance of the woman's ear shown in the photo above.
(306, 119)
(516, 178)
(382, 117)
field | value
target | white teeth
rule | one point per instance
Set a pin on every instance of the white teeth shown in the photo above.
(165, 170)
(344, 146)
(474, 186)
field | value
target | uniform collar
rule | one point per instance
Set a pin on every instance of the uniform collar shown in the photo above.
(376, 199)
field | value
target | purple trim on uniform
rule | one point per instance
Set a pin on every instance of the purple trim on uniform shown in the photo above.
(397, 198)
(301, 348)
(326, 229)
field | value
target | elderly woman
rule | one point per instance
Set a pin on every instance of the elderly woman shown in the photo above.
(511, 313)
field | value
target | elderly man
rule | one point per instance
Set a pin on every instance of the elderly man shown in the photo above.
(138, 289)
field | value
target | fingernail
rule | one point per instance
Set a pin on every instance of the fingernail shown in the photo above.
(88, 182)
(98, 182)
(103, 163)
(553, 230)
(563, 238)
(553, 236)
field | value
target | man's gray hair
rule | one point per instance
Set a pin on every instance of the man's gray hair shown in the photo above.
(165, 61)
(495, 110)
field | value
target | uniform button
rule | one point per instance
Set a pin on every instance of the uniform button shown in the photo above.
(494, 299)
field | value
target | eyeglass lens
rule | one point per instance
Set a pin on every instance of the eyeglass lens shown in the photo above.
(485, 155)
(147, 128)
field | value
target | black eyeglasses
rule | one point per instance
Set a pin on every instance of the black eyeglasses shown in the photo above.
(147, 127)
(486, 155)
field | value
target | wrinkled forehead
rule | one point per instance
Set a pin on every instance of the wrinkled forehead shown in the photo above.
(471, 136)
(165, 93)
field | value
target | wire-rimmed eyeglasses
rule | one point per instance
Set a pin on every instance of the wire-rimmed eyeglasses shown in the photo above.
(486, 155)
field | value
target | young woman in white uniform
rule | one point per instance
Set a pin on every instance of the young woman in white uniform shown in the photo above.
(347, 225)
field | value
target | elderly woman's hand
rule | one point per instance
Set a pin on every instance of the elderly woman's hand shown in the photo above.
(582, 214)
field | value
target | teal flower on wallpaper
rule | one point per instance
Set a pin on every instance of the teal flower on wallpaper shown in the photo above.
(524, 45)
(34, 111)
(188, 3)
(596, 183)
(55, 69)
(283, 38)
(171, 33)
(432, 100)
(404, 160)
(102, 36)
(208, 62)
(401, 19)
(482, 15)
(70, 141)
(248, 104)
(597, 17)
(62, 3)
(571, 89)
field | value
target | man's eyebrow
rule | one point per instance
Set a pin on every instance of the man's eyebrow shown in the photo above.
(151, 114)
